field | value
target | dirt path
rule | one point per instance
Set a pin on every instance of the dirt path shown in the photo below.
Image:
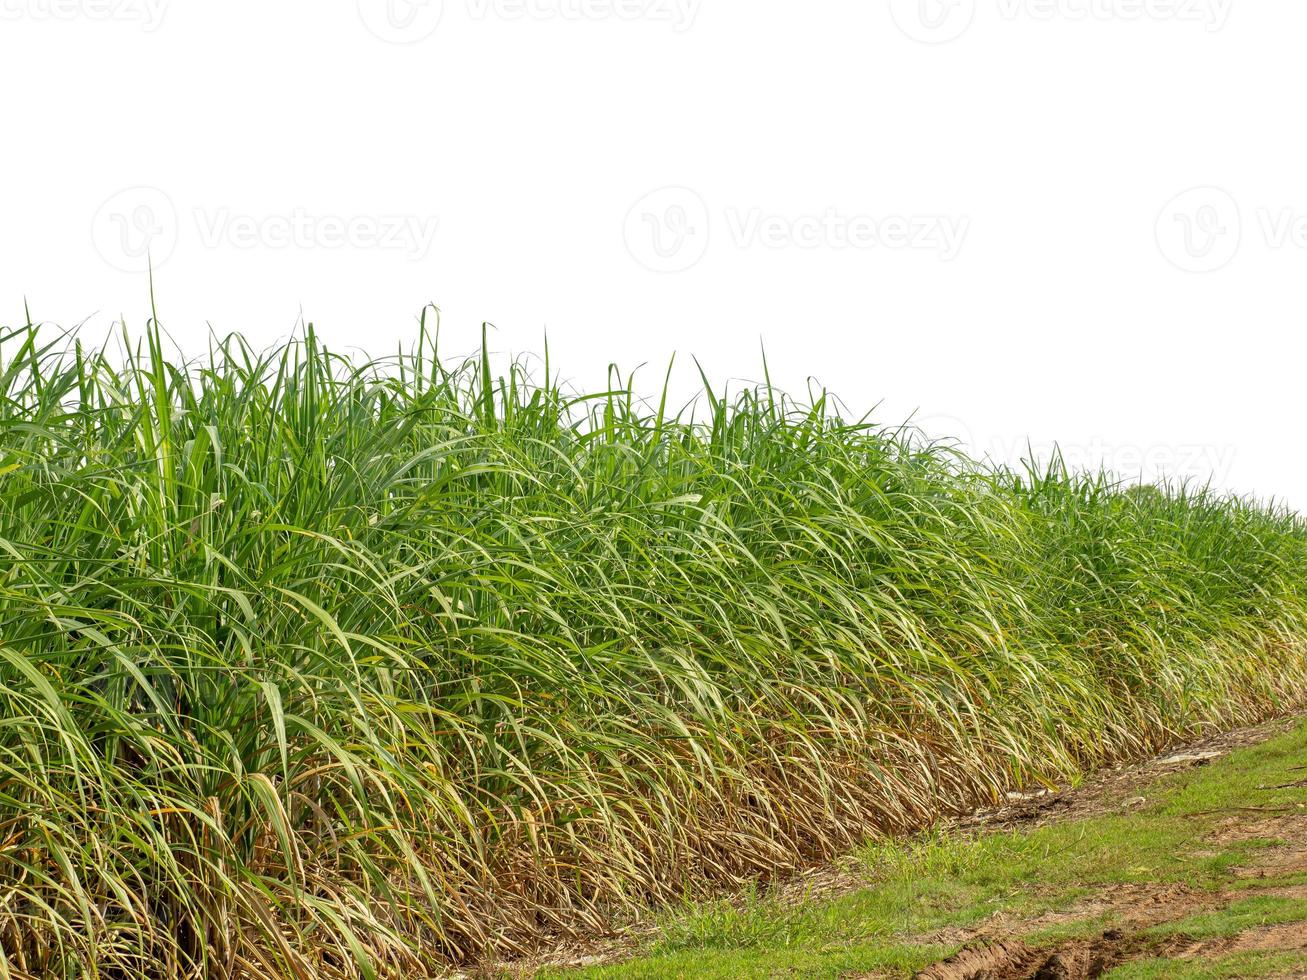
(1150, 919)
(1192, 864)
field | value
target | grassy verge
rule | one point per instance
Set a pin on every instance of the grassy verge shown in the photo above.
(311, 666)
(919, 894)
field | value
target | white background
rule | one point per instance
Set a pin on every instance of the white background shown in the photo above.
(292, 157)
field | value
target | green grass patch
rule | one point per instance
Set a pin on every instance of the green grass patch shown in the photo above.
(1249, 913)
(1237, 966)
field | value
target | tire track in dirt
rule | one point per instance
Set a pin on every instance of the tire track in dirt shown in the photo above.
(995, 951)
(1083, 959)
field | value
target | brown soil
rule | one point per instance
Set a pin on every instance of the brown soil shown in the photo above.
(994, 951)
(1080, 959)
(1073, 960)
